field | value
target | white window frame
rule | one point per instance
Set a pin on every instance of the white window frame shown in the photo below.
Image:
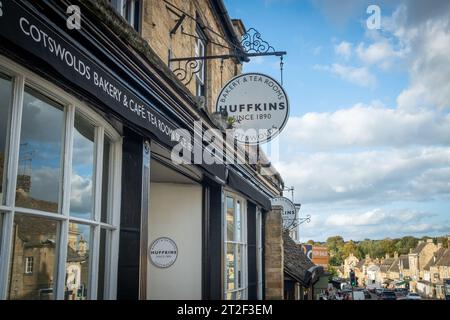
(29, 264)
(119, 6)
(23, 77)
(243, 243)
(200, 51)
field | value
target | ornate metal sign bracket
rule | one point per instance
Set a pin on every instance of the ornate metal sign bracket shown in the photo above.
(252, 45)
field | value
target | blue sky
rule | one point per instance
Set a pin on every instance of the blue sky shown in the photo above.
(367, 144)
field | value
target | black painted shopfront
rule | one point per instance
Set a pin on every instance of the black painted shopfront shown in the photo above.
(141, 102)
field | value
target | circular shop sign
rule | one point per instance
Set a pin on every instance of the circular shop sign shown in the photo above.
(289, 213)
(258, 104)
(163, 252)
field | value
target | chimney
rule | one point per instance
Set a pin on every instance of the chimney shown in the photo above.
(410, 250)
(387, 255)
(396, 255)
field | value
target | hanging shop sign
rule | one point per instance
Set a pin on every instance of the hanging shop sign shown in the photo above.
(258, 106)
(163, 252)
(289, 213)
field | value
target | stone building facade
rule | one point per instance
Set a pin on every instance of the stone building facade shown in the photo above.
(138, 196)
(423, 270)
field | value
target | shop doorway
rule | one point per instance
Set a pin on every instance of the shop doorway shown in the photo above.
(175, 213)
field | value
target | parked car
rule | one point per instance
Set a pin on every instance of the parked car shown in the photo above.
(388, 295)
(367, 294)
(413, 296)
(379, 291)
(358, 295)
(401, 292)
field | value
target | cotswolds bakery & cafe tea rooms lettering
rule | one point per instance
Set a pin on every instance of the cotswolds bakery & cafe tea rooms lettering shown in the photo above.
(27, 30)
(257, 103)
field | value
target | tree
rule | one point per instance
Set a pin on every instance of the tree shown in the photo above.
(334, 246)
(334, 243)
(348, 248)
(404, 244)
(311, 242)
(387, 246)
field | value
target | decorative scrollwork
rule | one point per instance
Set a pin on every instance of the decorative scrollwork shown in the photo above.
(186, 70)
(252, 42)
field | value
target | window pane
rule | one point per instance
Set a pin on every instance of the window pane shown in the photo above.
(41, 140)
(230, 266)
(239, 267)
(238, 219)
(105, 178)
(102, 264)
(77, 264)
(5, 108)
(231, 296)
(230, 219)
(35, 241)
(82, 169)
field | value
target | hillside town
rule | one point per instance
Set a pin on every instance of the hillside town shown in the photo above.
(424, 270)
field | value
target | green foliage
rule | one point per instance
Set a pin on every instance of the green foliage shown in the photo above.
(339, 249)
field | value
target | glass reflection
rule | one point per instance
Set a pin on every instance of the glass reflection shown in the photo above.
(238, 234)
(77, 264)
(39, 174)
(102, 264)
(230, 266)
(5, 108)
(230, 219)
(239, 266)
(82, 169)
(105, 178)
(33, 258)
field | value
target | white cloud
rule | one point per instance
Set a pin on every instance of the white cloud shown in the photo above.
(359, 76)
(81, 194)
(344, 49)
(368, 126)
(423, 31)
(381, 176)
(381, 53)
(376, 217)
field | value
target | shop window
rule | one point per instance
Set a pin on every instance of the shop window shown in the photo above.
(77, 262)
(59, 228)
(35, 242)
(82, 178)
(103, 254)
(5, 111)
(39, 173)
(236, 248)
(107, 158)
(130, 10)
